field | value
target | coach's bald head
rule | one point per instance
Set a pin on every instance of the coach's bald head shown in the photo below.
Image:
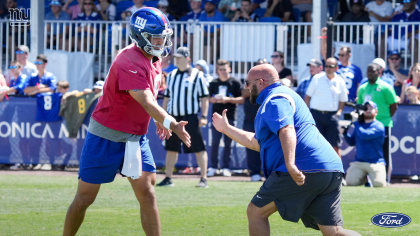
(259, 78)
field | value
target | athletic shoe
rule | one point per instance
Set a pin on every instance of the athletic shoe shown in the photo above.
(46, 167)
(166, 182)
(211, 172)
(202, 183)
(255, 178)
(227, 172)
(16, 166)
(37, 167)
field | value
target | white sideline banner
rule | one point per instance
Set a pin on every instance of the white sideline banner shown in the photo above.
(75, 67)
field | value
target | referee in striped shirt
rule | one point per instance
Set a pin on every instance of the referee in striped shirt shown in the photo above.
(186, 87)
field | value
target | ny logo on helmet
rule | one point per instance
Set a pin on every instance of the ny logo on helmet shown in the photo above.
(140, 23)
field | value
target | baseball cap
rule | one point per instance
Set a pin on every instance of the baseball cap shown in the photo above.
(182, 52)
(215, 2)
(380, 62)
(99, 84)
(372, 104)
(314, 62)
(22, 48)
(395, 52)
(55, 3)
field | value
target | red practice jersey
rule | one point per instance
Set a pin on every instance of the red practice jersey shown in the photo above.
(116, 108)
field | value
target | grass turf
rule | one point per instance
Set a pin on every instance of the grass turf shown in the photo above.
(36, 205)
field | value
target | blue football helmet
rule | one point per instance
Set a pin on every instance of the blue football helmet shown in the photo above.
(147, 24)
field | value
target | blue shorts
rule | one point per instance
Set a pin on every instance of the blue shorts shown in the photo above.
(102, 159)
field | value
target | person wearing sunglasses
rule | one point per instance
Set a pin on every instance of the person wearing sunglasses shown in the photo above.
(89, 13)
(22, 54)
(17, 84)
(303, 173)
(325, 96)
(43, 81)
(394, 72)
(277, 60)
(351, 73)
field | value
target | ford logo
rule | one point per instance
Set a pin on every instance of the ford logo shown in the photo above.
(391, 220)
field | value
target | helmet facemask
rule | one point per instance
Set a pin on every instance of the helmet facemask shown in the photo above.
(156, 50)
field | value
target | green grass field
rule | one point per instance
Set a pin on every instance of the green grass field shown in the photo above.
(36, 205)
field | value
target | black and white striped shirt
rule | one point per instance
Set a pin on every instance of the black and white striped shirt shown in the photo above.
(184, 90)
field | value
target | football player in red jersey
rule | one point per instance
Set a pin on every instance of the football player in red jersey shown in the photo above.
(116, 138)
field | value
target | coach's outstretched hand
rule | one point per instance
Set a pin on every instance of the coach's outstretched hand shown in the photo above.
(220, 122)
(162, 132)
(179, 129)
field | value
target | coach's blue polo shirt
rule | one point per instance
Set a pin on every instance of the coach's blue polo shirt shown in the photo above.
(48, 79)
(281, 106)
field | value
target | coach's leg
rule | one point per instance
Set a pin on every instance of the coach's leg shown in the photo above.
(258, 219)
(171, 159)
(85, 196)
(145, 192)
(202, 160)
(336, 230)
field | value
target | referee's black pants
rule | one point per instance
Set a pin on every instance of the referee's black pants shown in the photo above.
(387, 153)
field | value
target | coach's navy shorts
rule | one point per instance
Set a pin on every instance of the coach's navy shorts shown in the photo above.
(102, 159)
(317, 202)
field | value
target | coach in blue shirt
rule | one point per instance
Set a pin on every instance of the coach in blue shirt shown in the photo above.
(304, 173)
(43, 81)
(368, 136)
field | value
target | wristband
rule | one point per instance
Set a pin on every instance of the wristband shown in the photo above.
(167, 122)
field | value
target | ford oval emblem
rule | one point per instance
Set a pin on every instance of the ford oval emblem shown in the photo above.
(391, 220)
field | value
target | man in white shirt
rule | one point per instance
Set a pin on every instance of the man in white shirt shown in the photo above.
(129, 11)
(379, 11)
(22, 53)
(325, 96)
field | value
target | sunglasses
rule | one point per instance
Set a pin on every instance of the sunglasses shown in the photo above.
(330, 66)
(342, 55)
(394, 58)
(249, 82)
(14, 67)
(88, 3)
(20, 52)
(275, 56)
(38, 63)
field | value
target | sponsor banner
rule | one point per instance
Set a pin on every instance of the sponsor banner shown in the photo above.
(24, 140)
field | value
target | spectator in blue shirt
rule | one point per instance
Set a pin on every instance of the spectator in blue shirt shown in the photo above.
(368, 136)
(350, 73)
(315, 67)
(57, 14)
(304, 173)
(195, 12)
(409, 14)
(17, 84)
(43, 81)
(89, 13)
(211, 14)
